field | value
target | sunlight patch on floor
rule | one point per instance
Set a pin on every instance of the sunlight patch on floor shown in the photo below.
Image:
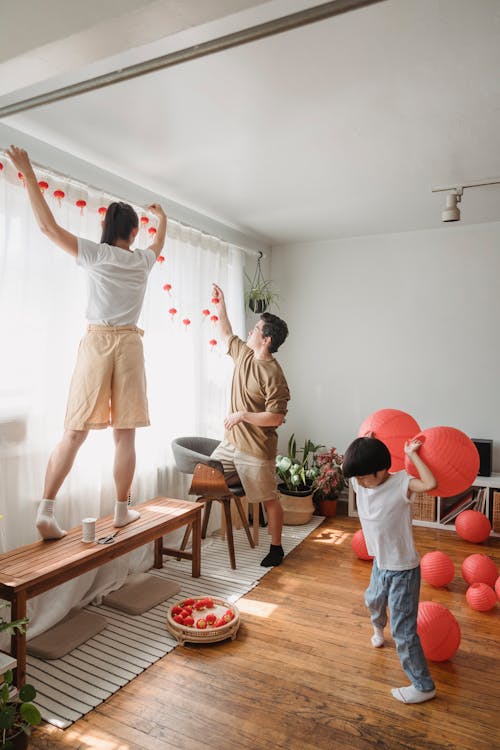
(332, 536)
(254, 607)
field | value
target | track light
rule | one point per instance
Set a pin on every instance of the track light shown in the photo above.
(452, 211)
(454, 197)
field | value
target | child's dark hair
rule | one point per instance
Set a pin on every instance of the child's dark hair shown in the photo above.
(274, 327)
(119, 222)
(364, 456)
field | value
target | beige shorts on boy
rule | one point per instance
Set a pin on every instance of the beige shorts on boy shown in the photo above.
(108, 386)
(257, 475)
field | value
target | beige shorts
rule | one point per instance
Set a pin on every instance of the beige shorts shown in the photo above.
(257, 475)
(108, 386)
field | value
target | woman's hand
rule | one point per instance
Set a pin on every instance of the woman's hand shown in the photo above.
(412, 446)
(157, 210)
(20, 159)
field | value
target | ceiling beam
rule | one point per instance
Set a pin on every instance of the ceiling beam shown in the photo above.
(235, 39)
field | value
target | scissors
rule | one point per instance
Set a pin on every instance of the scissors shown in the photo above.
(107, 539)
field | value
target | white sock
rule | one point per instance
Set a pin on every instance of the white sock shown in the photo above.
(46, 522)
(377, 637)
(410, 694)
(123, 514)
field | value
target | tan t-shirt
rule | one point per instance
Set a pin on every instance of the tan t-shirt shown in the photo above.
(258, 385)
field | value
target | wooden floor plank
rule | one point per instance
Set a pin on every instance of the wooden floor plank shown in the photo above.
(301, 674)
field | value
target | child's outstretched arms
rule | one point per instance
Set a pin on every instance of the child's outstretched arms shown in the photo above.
(43, 215)
(427, 480)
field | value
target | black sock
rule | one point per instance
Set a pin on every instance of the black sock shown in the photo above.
(274, 556)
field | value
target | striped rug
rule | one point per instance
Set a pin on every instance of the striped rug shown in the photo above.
(70, 687)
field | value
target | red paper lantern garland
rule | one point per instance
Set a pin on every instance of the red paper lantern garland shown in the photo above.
(102, 211)
(43, 185)
(59, 195)
(80, 203)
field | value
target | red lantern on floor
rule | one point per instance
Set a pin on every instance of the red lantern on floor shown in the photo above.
(437, 568)
(393, 428)
(479, 568)
(358, 545)
(497, 587)
(438, 630)
(481, 597)
(473, 526)
(451, 456)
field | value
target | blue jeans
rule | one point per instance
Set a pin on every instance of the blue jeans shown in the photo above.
(399, 590)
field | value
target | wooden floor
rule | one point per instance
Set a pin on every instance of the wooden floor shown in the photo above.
(302, 674)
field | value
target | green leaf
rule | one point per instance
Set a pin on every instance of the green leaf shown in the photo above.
(7, 716)
(27, 693)
(30, 713)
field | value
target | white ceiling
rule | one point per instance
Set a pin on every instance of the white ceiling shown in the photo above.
(335, 129)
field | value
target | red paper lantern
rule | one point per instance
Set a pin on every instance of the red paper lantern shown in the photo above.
(451, 456)
(205, 312)
(438, 630)
(102, 211)
(80, 203)
(472, 526)
(186, 322)
(215, 300)
(152, 231)
(59, 195)
(167, 287)
(1, 166)
(160, 259)
(358, 545)
(43, 185)
(393, 428)
(437, 568)
(172, 312)
(479, 568)
(481, 597)
(144, 220)
(214, 319)
(213, 343)
(497, 587)
(20, 177)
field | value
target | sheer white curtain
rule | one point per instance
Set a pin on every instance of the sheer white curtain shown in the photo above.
(42, 303)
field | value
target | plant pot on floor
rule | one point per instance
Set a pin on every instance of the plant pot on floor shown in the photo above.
(327, 507)
(297, 506)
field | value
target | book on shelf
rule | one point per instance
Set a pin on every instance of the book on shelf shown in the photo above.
(471, 499)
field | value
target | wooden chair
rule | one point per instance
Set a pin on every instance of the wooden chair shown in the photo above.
(210, 485)
(192, 456)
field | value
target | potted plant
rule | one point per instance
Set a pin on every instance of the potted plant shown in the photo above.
(260, 294)
(17, 714)
(297, 473)
(329, 481)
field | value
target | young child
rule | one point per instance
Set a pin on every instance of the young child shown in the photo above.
(384, 507)
(108, 385)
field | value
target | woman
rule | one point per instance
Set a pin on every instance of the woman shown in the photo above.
(108, 385)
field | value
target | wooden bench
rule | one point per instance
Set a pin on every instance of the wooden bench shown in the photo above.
(28, 571)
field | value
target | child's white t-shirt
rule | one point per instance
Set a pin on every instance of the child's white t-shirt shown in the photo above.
(117, 281)
(385, 513)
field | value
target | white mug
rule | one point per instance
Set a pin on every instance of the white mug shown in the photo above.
(88, 529)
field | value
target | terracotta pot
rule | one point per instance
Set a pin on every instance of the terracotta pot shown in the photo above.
(297, 507)
(327, 508)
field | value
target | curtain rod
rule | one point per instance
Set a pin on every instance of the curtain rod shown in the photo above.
(228, 41)
(49, 172)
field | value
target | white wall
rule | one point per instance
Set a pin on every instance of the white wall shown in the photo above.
(407, 321)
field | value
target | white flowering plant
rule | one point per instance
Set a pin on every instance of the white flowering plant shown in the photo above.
(297, 470)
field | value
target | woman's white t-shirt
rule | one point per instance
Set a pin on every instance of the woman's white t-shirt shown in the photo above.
(385, 513)
(117, 281)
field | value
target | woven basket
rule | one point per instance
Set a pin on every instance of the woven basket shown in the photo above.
(184, 633)
(496, 512)
(424, 507)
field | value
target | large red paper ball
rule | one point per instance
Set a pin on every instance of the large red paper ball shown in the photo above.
(472, 526)
(479, 568)
(358, 545)
(437, 568)
(481, 597)
(393, 428)
(451, 456)
(438, 630)
(497, 587)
